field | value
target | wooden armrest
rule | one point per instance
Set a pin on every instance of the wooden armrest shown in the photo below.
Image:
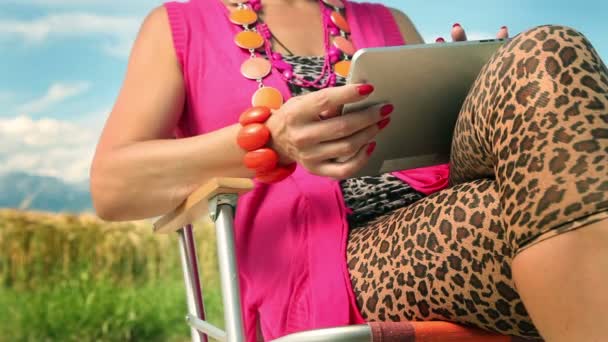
(196, 205)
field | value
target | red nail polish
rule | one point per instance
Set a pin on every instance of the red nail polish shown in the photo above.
(383, 123)
(504, 27)
(387, 109)
(370, 148)
(439, 40)
(456, 25)
(365, 89)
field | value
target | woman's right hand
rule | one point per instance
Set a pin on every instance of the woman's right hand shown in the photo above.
(300, 135)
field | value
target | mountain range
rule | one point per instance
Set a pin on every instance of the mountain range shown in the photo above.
(20, 190)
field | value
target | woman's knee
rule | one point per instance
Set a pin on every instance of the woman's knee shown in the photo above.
(545, 37)
(547, 124)
(555, 48)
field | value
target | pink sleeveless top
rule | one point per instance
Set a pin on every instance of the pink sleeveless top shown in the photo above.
(291, 236)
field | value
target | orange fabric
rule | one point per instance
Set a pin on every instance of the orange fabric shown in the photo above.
(436, 331)
(432, 331)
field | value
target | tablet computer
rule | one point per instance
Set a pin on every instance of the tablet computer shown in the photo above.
(427, 84)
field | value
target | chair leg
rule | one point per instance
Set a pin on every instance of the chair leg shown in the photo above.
(222, 208)
(194, 292)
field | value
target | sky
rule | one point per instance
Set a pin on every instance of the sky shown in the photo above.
(62, 63)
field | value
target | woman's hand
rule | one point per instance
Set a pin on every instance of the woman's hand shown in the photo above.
(459, 35)
(300, 135)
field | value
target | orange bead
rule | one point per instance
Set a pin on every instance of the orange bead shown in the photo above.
(268, 97)
(261, 160)
(249, 40)
(245, 16)
(252, 137)
(340, 21)
(342, 68)
(256, 68)
(344, 45)
(276, 175)
(252, 115)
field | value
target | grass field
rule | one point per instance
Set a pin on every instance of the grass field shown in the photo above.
(76, 278)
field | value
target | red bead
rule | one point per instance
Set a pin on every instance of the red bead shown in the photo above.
(261, 160)
(333, 59)
(276, 175)
(333, 51)
(252, 115)
(252, 137)
(332, 80)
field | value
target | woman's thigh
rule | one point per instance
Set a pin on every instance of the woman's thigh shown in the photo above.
(442, 258)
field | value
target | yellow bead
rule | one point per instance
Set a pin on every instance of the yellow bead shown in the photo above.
(342, 68)
(267, 97)
(245, 16)
(249, 40)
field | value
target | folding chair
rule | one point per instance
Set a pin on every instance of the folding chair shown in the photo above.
(218, 198)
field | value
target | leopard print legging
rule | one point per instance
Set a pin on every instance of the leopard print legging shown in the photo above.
(529, 162)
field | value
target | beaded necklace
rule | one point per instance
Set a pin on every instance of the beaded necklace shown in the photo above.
(256, 36)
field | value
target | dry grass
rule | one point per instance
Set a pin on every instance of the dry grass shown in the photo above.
(36, 247)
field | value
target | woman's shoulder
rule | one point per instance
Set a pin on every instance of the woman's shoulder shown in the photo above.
(407, 27)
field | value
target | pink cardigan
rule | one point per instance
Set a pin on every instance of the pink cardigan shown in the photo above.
(290, 237)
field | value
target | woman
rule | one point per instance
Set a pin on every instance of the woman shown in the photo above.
(499, 249)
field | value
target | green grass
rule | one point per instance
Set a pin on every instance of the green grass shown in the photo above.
(71, 278)
(86, 311)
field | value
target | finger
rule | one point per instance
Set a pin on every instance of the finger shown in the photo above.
(328, 99)
(344, 170)
(347, 147)
(458, 34)
(503, 33)
(345, 125)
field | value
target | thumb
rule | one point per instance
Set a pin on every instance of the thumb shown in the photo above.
(503, 33)
(458, 34)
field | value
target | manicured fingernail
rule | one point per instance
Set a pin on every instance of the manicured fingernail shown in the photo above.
(383, 123)
(504, 27)
(370, 148)
(439, 40)
(458, 25)
(387, 109)
(365, 89)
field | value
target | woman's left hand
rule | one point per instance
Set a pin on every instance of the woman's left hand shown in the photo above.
(459, 35)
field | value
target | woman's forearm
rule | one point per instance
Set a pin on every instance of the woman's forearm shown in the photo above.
(150, 178)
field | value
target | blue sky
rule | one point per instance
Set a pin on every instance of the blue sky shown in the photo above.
(62, 62)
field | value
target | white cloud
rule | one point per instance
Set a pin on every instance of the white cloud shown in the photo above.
(56, 93)
(117, 31)
(47, 147)
(80, 3)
